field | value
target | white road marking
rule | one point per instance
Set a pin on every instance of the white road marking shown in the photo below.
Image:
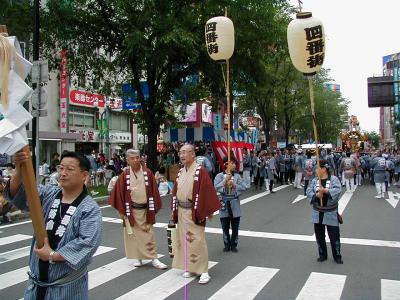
(13, 277)
(162, 286)
(291, 237)
(255, 197)
(112, 270)
(30, 221)
(14, 238)
(19, 275)
(15, 224)
(392, 201)
(390, 289)
(299, 198)
(14, 254)
(245, 285)
(321, 286)
(344, 200)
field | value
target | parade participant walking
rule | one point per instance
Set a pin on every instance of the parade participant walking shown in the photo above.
(396, 162)
(270, 170)
(298, 168)
(246, 167)
(348, 168)
(259, 170)
(389, 168)
(193, 200)
(288, 166)
(309, 170)
(230, 185)
(73, 220)
(253, 162)
(379, 166)
(135, 196)
(357, 171)
(326, 189)
(331, 161)
(282, 167)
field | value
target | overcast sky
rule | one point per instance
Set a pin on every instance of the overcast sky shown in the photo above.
(358, 34)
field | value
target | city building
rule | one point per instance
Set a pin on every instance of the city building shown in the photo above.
(389, 116)
(81, 120)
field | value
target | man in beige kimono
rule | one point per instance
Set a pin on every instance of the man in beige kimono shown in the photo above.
(135, 196)
(193, 200)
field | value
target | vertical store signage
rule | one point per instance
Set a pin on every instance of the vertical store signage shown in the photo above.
(396, 92)
(63, 92)
(217, 121)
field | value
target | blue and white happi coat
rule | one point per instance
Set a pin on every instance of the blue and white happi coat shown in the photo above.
(335, 188)
(77, 246)
(233, 198)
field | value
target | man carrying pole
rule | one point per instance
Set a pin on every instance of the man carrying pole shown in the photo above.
(58, 269)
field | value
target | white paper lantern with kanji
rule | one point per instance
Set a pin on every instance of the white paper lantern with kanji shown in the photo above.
(306, 41)
(220, 38)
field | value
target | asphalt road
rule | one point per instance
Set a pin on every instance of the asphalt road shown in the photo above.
(276, 258)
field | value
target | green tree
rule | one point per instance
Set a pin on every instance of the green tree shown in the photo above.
(18, 17)
(330, 109)
(259, 69)
(374, 138)
(292, 101)
(120, 41)
(159, 41)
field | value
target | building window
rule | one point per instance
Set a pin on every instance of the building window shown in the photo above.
(81, 117)
(119, 121)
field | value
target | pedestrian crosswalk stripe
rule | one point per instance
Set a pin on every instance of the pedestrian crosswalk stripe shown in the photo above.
(285, 236)
(14, 254)
(113, 270)
(256, 196)
(390, 289)
(344, 200)
(14, 277)
(162, 286)
(103, 249)
(19, 275)
(246, 285)
(322, 286)
(13, 239)
(111, 220)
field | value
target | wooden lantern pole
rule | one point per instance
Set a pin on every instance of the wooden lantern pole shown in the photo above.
(32, 196)
(228, 102)
(314, 119)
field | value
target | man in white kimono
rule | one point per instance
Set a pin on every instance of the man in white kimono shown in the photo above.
(193, 200)
(135, 196)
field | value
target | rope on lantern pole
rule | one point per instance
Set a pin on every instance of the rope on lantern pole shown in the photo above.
(314, 120)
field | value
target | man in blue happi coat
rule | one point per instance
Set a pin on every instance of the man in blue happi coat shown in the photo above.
(230, 185)
(324, 192)
(58, 270)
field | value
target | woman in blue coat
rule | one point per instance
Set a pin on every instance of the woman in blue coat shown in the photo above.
(229, 185)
